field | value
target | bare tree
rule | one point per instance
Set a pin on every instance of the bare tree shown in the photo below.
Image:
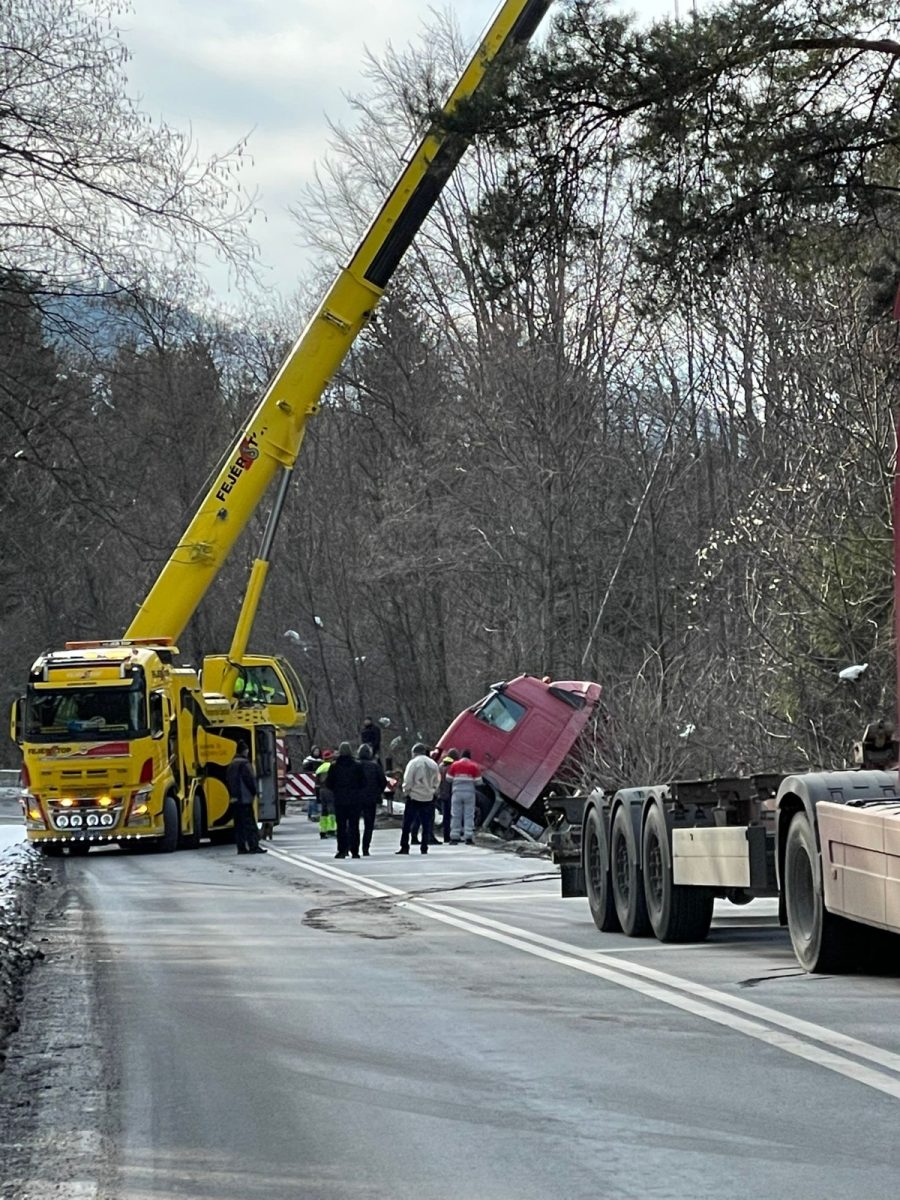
(93, 196)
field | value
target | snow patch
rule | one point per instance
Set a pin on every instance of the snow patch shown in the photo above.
(23, 872)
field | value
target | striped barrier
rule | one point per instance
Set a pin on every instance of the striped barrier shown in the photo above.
(300, 786)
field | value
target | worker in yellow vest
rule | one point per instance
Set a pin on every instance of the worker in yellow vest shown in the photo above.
(327, 820)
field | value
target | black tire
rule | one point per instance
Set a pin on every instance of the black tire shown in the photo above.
(626, 877)
(190, 841)
(595, 856)
(677, 913)
(79, 849)
(171, 824)
(51, 849)
(821, 941)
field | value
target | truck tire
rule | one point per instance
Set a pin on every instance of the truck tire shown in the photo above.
(171, 825)
(597, 883)
(190, 841)
(677, 914)
(821, 940)
(627, 881)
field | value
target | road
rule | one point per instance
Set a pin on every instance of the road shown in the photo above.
(442, 1028)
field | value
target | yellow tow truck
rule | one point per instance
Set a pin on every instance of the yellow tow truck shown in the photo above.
(119, 742)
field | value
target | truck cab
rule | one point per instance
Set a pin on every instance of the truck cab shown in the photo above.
(97, 731)
(521, 733)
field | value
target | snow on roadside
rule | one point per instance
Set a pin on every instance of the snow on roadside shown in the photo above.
(22, 874)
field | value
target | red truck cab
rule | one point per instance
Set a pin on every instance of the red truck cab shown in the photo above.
(521, 733)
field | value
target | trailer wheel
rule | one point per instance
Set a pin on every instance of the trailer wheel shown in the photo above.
(821, 940)
(627, 883)
(677, 914)
(171, 825)
(596, 874)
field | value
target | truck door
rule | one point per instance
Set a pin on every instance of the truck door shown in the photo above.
(266, 766)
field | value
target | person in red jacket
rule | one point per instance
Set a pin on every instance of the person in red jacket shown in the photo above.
(464, 776)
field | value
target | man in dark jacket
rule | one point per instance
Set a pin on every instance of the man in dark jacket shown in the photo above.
(346, 782)
(370, 734)
(241, 783)
(376, 782)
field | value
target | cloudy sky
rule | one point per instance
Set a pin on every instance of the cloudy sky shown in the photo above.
(276, 70)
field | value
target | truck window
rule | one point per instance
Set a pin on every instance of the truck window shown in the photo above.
(85, 713)
(259, 685)
(501, 712)
(156, 714)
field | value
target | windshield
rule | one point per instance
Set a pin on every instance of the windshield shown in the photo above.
(501, 712)
(85, 714)
(259, 685)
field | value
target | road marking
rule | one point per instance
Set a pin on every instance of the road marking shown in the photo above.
(495, 898)
(733, 1012)
(838, 1041)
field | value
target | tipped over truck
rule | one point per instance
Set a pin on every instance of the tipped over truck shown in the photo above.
(524, 734)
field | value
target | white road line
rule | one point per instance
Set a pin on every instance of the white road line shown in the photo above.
(838, 1041)
(698, 999)
(491, 894)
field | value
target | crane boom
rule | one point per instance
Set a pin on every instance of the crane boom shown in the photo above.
(270, 441)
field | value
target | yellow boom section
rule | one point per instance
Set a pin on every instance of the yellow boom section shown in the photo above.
(271, 439)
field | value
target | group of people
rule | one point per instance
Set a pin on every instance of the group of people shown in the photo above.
(349, 787)
(450, 782)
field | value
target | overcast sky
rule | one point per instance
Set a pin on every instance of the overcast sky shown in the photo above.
(276, 70)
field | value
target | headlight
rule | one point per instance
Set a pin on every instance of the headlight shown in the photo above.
(139, 812)
(32, 811)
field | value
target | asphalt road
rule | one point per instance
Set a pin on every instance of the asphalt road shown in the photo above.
(448, 1028)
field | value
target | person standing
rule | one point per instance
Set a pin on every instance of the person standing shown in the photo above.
(420, 782)
(464, 776)
(370, 734)
(444, 790)
(327, 821)
(310, 766)
(346, 781)
(242, 788)
(376, 782)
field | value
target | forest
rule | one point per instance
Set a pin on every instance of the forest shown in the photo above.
(626, 414)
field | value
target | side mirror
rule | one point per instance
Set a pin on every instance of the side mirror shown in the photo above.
(156, 715)
(15, 721)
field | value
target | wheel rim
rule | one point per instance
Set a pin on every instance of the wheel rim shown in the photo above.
(801, 896)
(622, 867)
(595, 864)
(653, 872)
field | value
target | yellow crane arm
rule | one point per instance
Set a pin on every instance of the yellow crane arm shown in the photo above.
(271, 439)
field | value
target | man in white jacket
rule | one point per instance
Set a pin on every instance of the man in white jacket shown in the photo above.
(420, 782)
